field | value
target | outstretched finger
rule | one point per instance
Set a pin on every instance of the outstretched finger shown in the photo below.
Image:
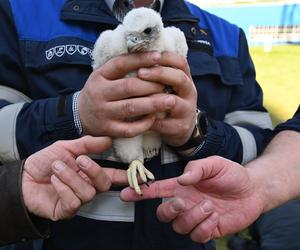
(86, 145)
(158, 189)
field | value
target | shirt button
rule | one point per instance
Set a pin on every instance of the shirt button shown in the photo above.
(193, 30)
(76, 7)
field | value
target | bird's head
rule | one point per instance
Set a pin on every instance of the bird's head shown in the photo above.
(143, 27)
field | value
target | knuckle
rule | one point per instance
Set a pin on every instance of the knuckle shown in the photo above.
(129, 109)
(178, 228)
(128, 132)
(196, 238)
(118, 63)
(159, 71)
(184, 78)
(183, 63)
(183, 127)
(73, 206)
(105, 186)
(159, 124)
(59, 144)
(128, 85)
(90, 194)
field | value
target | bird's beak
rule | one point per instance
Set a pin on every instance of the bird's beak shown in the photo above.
(133, 43)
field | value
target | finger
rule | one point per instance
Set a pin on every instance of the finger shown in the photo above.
(205, 230)
(157, 189)
(118, 177)
(172, 127)
(188, 220)
(83, 190)
(130, 87)
(198, 170)
(175, 60)
(120, 66)
(135, 107)
(95, 173)
(128, 129)
(169, 210)
(69, 202)
(86, 145)
(175, 78)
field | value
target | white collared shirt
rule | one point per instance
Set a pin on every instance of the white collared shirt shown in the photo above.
(127, 5)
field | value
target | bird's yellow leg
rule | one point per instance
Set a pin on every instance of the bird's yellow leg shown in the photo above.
(137, 167)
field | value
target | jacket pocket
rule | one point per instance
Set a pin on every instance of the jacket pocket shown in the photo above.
(45, 55)
(227, 69)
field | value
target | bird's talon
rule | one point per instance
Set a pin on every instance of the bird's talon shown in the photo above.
(137, 167)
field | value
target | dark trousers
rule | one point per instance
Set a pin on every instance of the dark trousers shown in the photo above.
(86, 234)
(279, 229)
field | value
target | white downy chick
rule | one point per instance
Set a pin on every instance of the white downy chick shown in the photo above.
(142, 30)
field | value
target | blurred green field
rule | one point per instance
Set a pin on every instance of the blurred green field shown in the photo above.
(278, 73)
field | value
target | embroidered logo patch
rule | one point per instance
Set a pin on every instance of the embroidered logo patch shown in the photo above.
(69, 49)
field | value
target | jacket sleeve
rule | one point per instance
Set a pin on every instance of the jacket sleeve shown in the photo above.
(291, 124)
(247, 126)
(26, 125)
(19, 224)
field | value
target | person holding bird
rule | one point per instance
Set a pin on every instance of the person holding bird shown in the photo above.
(188, 106)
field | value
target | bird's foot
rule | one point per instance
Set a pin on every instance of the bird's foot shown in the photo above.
(137, 167)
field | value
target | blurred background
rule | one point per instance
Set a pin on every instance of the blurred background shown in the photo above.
(273, 32)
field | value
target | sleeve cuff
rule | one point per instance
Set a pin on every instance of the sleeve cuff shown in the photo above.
(22, 226)
(75, 110)
(59, 119)
(212, 144)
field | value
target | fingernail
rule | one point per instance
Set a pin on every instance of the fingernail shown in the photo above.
(54, 178)
(155, 56)
(144, 72)
(214, 217)
(58, 166)
(185, 175)
(178, 205)
(170, 101)
(83, 162)
(207, 207)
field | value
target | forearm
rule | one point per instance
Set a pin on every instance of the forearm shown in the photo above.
(277, 171)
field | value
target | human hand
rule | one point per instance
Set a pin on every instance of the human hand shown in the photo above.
(109, 103)
(214, 197)
(55, 184)
(173, 70)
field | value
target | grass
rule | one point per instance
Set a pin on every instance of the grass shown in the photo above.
(278, 73)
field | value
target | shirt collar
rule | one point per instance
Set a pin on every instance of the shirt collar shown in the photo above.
(110, 3)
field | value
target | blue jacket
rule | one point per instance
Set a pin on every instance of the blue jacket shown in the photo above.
(45, 56)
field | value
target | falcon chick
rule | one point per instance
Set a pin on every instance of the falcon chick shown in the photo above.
(142, 30)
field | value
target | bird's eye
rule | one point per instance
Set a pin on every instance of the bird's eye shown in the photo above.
(147, 31)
